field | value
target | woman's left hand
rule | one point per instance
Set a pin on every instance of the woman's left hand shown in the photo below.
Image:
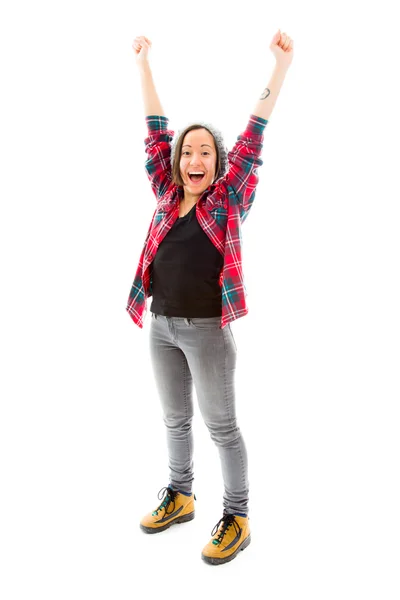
(282, 48)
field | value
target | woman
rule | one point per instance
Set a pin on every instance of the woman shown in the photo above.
(191, 266)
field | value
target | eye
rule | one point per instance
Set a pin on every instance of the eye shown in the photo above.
(187, 152)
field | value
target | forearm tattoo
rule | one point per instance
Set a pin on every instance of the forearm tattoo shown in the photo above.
(265, 94)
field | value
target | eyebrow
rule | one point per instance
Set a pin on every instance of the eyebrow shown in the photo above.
(201, 145)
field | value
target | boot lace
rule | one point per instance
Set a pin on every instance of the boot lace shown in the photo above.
(227, 520)
(168, 498)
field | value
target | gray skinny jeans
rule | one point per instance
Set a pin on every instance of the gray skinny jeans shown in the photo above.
(196, 350)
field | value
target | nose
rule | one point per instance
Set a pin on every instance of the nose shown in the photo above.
(194, 162)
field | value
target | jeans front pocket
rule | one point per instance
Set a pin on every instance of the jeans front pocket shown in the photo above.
(206, 323)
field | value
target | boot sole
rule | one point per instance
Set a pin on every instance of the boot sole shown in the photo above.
(219, 561)
(182, 519)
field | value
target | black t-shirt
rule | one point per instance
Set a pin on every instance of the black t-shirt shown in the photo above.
(186, 271)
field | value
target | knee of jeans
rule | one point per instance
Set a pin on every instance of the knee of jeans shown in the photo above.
(174, 421)
(224, 436)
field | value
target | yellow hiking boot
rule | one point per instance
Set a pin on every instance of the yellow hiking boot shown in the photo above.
(176, 507)
(230, 535)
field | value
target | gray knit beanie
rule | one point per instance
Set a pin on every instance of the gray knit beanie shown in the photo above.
(218, 139)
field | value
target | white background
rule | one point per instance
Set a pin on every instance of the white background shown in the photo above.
(83, 448)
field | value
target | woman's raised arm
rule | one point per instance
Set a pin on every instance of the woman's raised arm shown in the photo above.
(152, 104)
(282, 48)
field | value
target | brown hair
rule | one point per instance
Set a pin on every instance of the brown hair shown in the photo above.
(176, 170)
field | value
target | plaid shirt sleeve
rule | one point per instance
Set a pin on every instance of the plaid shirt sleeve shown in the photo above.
(158, 150)
(243, 159)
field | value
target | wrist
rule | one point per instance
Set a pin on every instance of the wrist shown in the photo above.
(281, 67)
(144, 67)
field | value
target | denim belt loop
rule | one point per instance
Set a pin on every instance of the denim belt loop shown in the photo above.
(187, 321)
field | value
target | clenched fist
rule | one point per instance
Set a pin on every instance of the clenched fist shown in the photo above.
(141, 46)
(282, 48)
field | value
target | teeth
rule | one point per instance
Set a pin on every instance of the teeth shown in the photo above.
(196, 173)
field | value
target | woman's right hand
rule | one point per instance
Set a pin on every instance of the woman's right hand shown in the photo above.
(141, 46)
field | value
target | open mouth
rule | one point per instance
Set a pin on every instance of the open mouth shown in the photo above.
(196, 178)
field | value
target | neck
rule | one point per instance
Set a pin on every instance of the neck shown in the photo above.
(189, 198)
